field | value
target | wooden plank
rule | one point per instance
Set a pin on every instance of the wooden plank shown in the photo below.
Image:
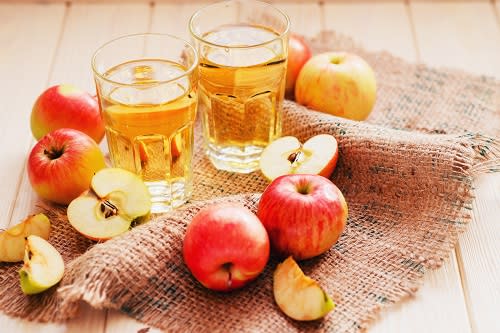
(86, 28)
(378, 25)
(24, 28)
(305, 18)
(469, 39)
(386, 26)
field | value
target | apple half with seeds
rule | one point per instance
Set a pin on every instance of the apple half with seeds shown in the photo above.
(287, 155)
(116, 198)
(12, 240)
(43, 266)
(297, 295)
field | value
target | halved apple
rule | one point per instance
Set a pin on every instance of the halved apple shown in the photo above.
(43, 266)
(297, 295)
(12, 241)
(287, 155)
(116, 198)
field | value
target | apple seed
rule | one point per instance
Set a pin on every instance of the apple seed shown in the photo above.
(108, 209)
(296, 157)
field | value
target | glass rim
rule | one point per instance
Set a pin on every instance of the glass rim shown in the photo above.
(152, 84)
(201, 39)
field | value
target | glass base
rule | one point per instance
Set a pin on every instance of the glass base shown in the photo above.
(234, 158)
(167, 196)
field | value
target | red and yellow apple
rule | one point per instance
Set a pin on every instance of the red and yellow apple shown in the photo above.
(304, 215)
(286, 155)
(65, 106)
(225, 246)
(61, 165)
(338, 83)
(298, 54)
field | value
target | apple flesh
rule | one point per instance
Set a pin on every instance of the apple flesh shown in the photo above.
(65, 106)
(115, 200)
(297, 295)
(12, 240)
(298, 54)
(61, 165)
(287, 155)
(225, 247)
(304, 215)
(341, 84)
(43, 266)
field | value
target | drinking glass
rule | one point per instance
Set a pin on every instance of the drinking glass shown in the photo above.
(147, 91)
(243, 47)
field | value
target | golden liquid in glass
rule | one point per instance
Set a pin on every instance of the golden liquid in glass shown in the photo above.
(149, 126)
(241, 94)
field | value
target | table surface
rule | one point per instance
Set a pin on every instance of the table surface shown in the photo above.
(51, 42)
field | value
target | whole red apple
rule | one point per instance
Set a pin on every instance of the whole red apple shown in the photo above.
(304, 214)
(65, 106)
(339, 83)
(225, 246)
(61, 165)
(298, 54)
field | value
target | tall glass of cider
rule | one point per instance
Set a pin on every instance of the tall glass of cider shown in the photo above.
(147, 91)
(243, 47)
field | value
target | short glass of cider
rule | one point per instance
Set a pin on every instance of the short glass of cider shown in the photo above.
(147, 91)
(243, 47)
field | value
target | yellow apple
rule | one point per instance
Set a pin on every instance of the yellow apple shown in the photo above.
(339, 83)
(297, 295)
(12, 241)
(287, 155)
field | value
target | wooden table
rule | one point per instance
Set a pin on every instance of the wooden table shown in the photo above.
(52, 42)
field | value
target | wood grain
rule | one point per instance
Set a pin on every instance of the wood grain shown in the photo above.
(374, 24)
(469, 38)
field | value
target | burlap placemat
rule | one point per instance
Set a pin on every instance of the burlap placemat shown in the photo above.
(409, 195)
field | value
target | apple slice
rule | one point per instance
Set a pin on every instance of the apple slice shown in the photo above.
(297, 295)
(175, 150)
(287, 155)
(12, 241)
(43, 266)
(117, 198)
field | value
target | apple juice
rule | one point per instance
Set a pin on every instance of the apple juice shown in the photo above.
(241, 93)
(149, 125)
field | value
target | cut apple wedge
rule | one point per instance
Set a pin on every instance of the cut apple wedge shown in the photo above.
(175, 150)
(297, 295)
(116, 198)
(287, 155)
(43, 266)
(12, 241)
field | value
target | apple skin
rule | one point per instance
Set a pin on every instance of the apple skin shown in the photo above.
(61, 165)
(338, 83)
(298, 54)
(65, 106)
(304, 215)
(225, 247)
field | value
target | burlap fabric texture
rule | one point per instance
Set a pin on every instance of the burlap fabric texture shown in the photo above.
(409, 195)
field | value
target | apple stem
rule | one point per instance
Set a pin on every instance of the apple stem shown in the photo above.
(227, 267)
(53, 153)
